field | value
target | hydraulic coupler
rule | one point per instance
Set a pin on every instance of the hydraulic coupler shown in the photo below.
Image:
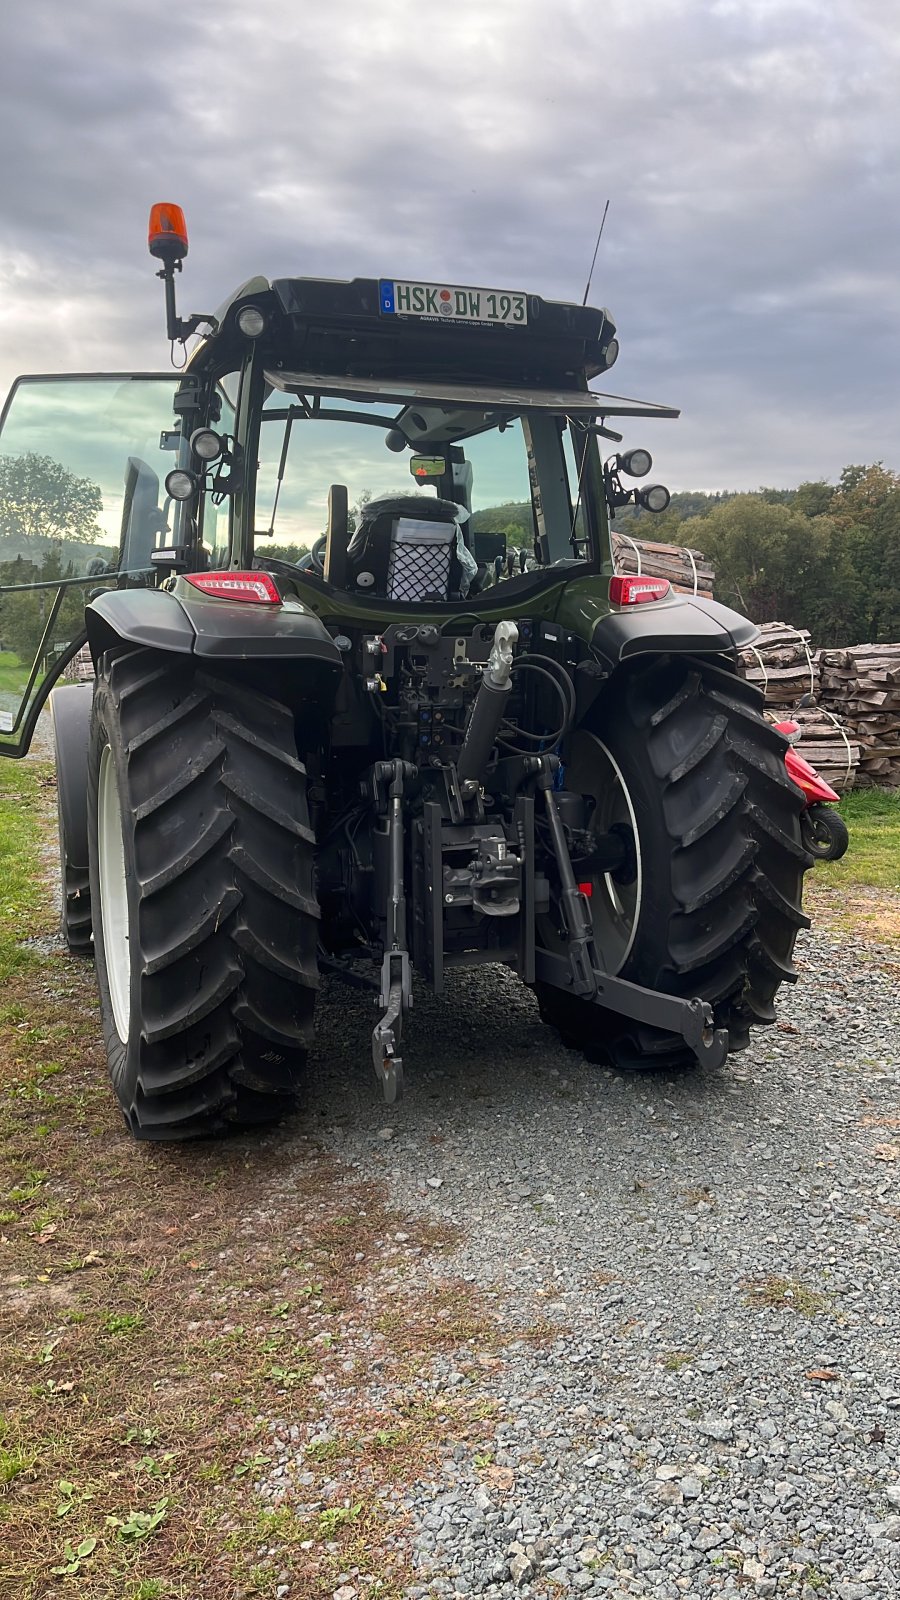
(487, 710)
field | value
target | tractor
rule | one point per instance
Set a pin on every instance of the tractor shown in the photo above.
(366, 697)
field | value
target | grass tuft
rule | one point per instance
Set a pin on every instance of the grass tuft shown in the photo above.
(785, 1294)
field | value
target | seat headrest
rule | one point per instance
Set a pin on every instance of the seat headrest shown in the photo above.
(422, 507)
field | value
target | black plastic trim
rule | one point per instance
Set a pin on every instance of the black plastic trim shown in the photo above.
(139, 616)
(683, 624)
(225, 629)
(70, 709)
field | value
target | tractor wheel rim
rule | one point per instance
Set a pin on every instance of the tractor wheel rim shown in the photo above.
(114, 894)
(615, 907)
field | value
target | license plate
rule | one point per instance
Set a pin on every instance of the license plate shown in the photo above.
(446, 302)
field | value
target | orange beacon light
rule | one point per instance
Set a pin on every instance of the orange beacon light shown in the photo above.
(167, 237)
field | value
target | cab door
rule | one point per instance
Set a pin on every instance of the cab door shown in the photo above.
(83, 460)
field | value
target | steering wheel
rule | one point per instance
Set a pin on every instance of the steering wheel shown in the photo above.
(317, 555)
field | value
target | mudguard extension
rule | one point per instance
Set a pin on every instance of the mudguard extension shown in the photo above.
(223, 630)
(684, 624)
(70, 709)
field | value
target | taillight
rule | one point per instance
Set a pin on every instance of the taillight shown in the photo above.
(257, 587)
(632, 590)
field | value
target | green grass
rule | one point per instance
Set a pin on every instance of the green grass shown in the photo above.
(873, 858)
(785, 1294)
(135, 1407)
(13, 674)
(22, 894)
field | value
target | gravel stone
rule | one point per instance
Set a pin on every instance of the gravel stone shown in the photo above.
(692, 1248)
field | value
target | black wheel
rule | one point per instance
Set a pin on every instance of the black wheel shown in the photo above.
(708, 903)
(825, 833)
(205, 915)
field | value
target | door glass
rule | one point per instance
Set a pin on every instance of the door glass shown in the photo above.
(216, 513)
(291, 514)
(82, 461)
(501, 488)
(576, 487)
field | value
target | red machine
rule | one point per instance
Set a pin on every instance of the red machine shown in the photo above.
(824, 831)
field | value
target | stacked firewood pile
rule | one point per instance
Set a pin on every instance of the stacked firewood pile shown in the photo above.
(781, 664)
(862, 684)
(81, 668)
(688, 571)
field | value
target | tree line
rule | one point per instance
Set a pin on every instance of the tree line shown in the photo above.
(821, 556)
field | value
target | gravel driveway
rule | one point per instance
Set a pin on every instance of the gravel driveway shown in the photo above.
(716, 1406)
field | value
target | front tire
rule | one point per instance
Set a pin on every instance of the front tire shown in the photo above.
(714, 890)
(201, 878)
(825, 833)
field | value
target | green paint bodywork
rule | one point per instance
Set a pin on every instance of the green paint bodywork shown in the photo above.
(577, 604)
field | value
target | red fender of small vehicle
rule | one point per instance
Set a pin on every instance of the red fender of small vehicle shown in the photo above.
(806, 778)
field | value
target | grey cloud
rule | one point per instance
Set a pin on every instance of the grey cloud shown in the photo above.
(749, 149)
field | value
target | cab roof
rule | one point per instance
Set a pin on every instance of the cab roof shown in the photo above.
(343, 328)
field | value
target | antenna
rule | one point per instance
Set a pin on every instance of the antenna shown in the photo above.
(587, 287)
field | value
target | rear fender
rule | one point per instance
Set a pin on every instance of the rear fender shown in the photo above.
(217, 630)
(683, 624)
(70, 711)
(806, 778)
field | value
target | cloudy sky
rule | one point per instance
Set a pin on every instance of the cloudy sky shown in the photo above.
(750, 150)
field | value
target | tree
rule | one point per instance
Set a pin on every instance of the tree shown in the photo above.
(514, 519)
(41, 501)
(866, 507)
(776, 564)
(24, 613)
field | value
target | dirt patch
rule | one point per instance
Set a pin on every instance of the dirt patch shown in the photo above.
(20, 1298)
(869, 914)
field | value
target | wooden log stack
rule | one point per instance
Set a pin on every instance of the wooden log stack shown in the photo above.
(688, 571)
(781, 664)
(81, 668)
(862, 685)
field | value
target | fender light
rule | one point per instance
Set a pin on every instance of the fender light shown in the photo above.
(256, 587)
(634, 591)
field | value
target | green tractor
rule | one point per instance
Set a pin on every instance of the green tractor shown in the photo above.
(365, 697)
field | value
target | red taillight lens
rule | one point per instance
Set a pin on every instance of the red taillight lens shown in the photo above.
(257, 587)
(632, 590)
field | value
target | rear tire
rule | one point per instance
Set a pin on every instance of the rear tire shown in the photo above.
(720, 857)
(205, 915)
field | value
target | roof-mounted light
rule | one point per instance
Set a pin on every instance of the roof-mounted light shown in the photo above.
(656, 498)
(633, 590)
(611, 354)
(635, 463)
(206, 444)
(251, 322)
(167, 236)
(181, 484)
(257, 588)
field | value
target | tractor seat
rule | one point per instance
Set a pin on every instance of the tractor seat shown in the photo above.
(406, 547)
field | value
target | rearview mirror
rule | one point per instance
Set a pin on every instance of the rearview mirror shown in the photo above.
(425, 467)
